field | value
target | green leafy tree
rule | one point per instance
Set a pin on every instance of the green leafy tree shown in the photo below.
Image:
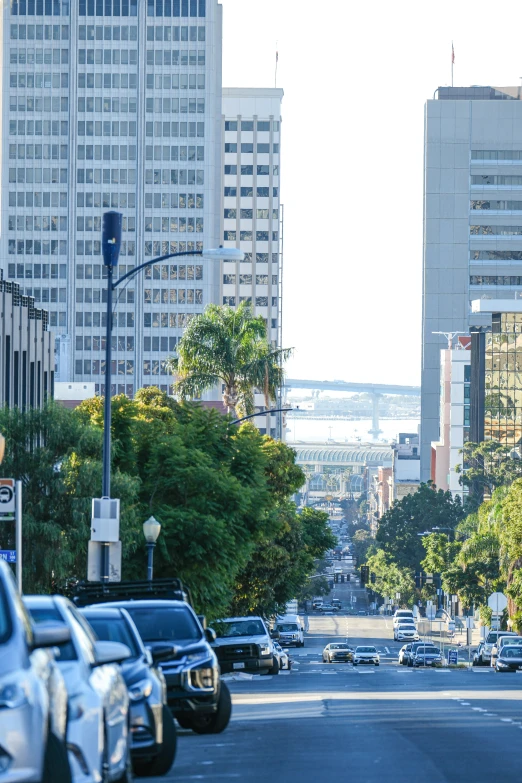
(488, 465)
(400, 527)
(391, 579)
(229, 348)
(362, 541)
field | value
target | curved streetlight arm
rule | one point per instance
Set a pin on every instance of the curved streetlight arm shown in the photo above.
(261, 413)
(155, 261)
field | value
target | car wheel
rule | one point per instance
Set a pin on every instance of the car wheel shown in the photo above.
(56, 761)
(163, 762)
(410, 662)
(275, 668)
(184, 721)
(217, 721)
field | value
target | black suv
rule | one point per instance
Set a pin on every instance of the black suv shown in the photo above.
(173, 633)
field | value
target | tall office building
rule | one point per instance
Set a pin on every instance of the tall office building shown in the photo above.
(472, 222)
(251, 210)
(112, 104)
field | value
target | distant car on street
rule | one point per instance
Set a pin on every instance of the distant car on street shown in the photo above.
(427, 655)
(337, 651)
(366, 654)
(509, 659)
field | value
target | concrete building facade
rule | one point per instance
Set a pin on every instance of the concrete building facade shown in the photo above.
(26, 350)
(405, 470)
(472, 222)
(112, 104)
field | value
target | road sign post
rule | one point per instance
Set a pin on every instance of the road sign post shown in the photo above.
(18, 533)
(11, 510)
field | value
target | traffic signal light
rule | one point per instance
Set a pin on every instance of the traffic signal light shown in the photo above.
(347, 577)
(365, 575)
(342, 577)
(420, 579)
(373, 578)
(336, 577)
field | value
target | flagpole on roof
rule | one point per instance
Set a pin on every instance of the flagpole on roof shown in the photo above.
(277, 60)
(452, 62)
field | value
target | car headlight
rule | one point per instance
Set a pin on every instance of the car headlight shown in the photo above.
(140, 690)
(265, 649)
(502, 665)
(12, 696)
(200, 655)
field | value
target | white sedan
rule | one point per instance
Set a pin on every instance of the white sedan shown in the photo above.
(366, 654)
(283, 656)
(97, 734)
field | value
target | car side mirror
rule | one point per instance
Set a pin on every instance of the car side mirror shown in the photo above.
(50, 635)
(163, 651)
(210, 635)
(110, 652)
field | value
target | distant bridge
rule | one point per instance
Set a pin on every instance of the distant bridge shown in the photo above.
(376, 390)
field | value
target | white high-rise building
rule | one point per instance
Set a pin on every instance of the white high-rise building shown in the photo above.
(251, 210)
(112, 104)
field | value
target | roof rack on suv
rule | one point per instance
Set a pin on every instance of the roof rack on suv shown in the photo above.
(99, 592)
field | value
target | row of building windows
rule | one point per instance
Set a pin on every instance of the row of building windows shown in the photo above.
(38, 127)
(121, 319)
(191, 8)
(99, 295)
(92, 247)
(260, 301)
(37, 223)
(247, 236)
(495, 255)
(39, 79)
(176, 8)
(106, 152)
(176, 200)
(167, 152)
(496, 154)
(107, 81)
(174, 176)
(173, 296)
(247, 279)
(248, 191)
(495, 280)
(248, 214)
(106, 176)
(174, 224)
(38, 57)
(156, 344)
(98, 342)
(40, 32)
(90, 32)
(175, 106)
(97, 366)
(107, 56)
(260, 258)
(38, 152)
(106, 105)
(98, 272)
(30, 176)
(163, 248)
(261, 149)
(495, 230)
(496, 179)
(37, 247)
(30, 103)
(167, 320)
(38, 271)
(31, 80)
(247, 171)
(106, 128)
(248, 125)
(175, 130)
(47, 295)
(38, 199)
(174, 57)
(106, 200)
(183, 33)
(108, 8)
(499, 205)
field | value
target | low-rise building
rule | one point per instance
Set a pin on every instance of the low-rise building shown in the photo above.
(26, 350)
(405, 470)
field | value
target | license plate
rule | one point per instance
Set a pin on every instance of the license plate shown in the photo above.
(240, 665)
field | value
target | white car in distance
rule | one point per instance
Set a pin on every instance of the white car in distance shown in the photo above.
(98, 736)
(403, 616)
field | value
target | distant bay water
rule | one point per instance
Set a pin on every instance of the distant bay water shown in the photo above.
(339, 430)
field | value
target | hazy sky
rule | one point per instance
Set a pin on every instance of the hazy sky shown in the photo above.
(355, 76)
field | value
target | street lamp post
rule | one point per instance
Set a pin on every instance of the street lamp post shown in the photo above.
(151, 531)
(111, 242)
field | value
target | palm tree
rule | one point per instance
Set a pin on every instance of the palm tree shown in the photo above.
(228, 347)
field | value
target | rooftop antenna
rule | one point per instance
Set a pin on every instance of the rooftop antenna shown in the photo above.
(277, 60)
(449, 336)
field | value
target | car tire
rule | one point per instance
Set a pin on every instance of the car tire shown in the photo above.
(184, 721)
(216, 722)
(56, 761)
(410, 663)
(275, 668)
(162, 763)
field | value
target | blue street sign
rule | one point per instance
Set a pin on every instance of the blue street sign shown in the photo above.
(9, 555)
(453, 657)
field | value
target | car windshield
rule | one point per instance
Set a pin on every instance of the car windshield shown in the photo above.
(511, 652)
(366, 649)
(5, 617)
(169, 623)
(114, 630)
(338, 647)
(404, 614)
(287, 627)
(492, 637)
(65, 652)
(428, 651)
(225, 629)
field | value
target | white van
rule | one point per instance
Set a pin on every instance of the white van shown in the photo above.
(403, 616)
(291, 630)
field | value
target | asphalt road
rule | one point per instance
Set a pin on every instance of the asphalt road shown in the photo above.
(368, 725)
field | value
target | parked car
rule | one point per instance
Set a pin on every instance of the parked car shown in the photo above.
(153, 730)
(33, 695)
(509, 659)
(490, 640)
(427, 655)
(501, 642)
(172, 631)
(366, 654)
(401, 615)
(337, 651)
(477, 655)
(98, 736)
(284, 657)
(404, 654)
(244, 644)
(410, 651)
